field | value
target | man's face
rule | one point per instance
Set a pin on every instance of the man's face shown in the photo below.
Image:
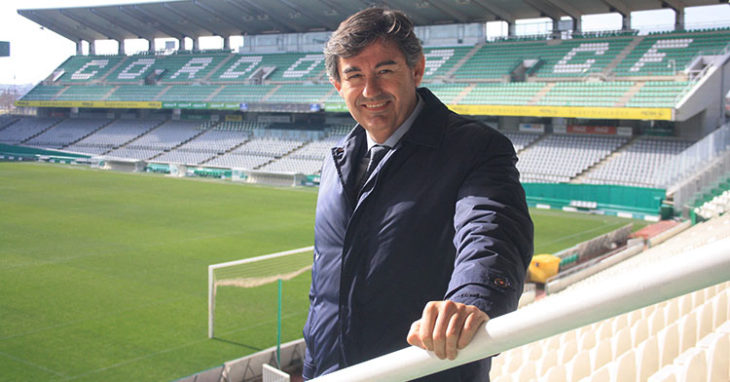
(379, 88)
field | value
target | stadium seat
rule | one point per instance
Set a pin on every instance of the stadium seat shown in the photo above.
(687, 331)
(526, 373)
(717, 353)
(601, 375)
(579, 367)
(548, 360)
(601, 355)
(567, 351)
(666, 374)
(621, 342)
(668, 340)
(587, 341)
(639, 331)
(656, 321)
(555, 374)
(647, 359)
(624, 368)
(692, 365)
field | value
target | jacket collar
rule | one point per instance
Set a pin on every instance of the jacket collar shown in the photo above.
(428, 130)
(429, 127)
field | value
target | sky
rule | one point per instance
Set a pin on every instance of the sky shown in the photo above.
(35, 52)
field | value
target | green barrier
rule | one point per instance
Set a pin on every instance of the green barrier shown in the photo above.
(605, 197)
(158, 168)
(24, 151)
(212, 173)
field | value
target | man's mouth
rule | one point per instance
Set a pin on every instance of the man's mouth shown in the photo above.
(375, 105)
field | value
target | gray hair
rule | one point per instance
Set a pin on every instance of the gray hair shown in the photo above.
(367, 26)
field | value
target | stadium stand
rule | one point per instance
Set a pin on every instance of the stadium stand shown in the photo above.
(113, 136)
(66, 132)
(682, 339)
(655, 68)
(26, 128)
(163, 138)
(546, 160)
(645, 162)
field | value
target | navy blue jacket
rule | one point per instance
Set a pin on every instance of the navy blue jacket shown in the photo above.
(443, 216)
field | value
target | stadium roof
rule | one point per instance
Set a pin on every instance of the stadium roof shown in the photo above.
(198, 18)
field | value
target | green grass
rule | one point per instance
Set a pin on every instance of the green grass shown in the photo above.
(103, 275)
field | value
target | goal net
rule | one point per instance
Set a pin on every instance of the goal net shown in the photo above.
(247, 277)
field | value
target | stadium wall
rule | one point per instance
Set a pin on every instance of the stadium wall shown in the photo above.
(703, 108)
(634, 202)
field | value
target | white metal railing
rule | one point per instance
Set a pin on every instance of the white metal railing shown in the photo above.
(700, 268)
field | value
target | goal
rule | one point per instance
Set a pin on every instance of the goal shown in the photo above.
(255, 272)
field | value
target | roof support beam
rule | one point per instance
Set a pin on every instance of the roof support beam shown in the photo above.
(191, 20)
(112, 35)
(498, 13)
(218, 16)
(138, 14)
(565, 8)
(678, 8)
(335, 6)
(545, 9)
(72, 34)
(458, 16)
(269, 19)
(303, 11)
(620, 7)
(122, 24)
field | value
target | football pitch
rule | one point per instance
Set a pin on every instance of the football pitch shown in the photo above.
(103, 275)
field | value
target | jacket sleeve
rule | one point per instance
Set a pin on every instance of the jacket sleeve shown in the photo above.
(493, 232)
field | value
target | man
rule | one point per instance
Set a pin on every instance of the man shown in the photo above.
(422, 232)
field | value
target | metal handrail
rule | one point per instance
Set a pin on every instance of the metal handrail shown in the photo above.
(697, 269)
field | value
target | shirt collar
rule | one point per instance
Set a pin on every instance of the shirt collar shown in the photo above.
(402, 129)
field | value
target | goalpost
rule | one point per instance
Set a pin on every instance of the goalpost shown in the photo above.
(253, 272)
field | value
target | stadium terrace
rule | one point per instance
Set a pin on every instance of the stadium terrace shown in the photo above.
(616, 124)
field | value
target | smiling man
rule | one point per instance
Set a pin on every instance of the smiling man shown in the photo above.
(422, 232)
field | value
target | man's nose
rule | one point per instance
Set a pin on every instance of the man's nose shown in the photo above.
(372, 88)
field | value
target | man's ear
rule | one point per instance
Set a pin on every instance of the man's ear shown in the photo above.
(419, 69)
(336, 84)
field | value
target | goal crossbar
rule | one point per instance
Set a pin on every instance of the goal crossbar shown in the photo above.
(212, 282)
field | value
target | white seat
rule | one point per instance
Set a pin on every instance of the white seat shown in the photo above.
(665, 374)
(687, 331)
(671, 312)
(567, 351)
(502, 378)
(717, 353)
(639, 331)
(624, 368)
(526, 373)
(604, 330)
(668, 344)
(555, 374)
(548, 360)
(719, 309)
(656, 322)
(621, 342)
(647, 359)
(692, 365)
(601, 375)
(600, 355)
(587, 341)
(704, 320)
(579, 367)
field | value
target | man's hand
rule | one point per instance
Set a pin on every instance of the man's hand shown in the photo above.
(445, 327)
